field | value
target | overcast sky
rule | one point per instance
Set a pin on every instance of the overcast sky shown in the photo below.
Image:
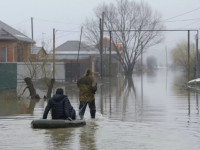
(70, 14)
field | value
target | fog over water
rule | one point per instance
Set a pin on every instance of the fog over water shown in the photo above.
(130, 115)
(146, 111)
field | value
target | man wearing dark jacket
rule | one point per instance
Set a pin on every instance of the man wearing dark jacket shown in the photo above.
(61, 107)
(87, 87)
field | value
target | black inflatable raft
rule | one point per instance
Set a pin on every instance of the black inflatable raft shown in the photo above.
(46, 123)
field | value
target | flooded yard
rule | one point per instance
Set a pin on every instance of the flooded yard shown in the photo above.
(143, 113)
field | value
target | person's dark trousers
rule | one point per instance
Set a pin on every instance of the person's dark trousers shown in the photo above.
(73, 114)
(92, 107)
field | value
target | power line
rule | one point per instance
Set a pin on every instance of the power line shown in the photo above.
(55, 21)
(20, 22)
(67, 31)
(182, 20)
(190, 24)
(56, 37)
(64, 35)
(56, 34)
(184, 26)
(171, 42)
(166, 20)
(181, 14)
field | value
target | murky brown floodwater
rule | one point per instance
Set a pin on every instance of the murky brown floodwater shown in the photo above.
(155, 115)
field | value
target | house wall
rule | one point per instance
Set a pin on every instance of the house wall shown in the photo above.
(10, 50)
(35, 57)
(41, 53)
(26, 52)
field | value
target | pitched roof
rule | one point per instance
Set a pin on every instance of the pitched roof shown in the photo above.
(74, 46)
(106, 44)
(9, 33)
(35, 49)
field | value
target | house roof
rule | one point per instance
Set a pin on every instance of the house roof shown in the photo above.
(35, 49)
(106, 44)
(9, 33)
(74, 46)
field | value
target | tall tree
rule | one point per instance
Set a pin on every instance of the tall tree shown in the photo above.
(120, 18)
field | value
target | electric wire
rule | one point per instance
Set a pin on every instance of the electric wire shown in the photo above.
(183, 20)
(21, 22)
(57, 34)
(55, 21)
(181, 14)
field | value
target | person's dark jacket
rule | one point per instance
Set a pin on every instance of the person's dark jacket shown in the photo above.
(61, 107)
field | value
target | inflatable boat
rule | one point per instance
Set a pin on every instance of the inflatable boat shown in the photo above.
(47, 123)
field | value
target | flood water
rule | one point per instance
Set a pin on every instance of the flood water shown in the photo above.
(149, 112)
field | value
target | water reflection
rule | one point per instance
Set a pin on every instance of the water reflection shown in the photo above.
(32, 105)
(151, 73)
(188, 103)
(60, 138)
(197, 102)
(9, 108)
(148, 111)
(88, 136)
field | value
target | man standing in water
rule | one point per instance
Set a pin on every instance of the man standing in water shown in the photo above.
(87, 87)
(61, 107)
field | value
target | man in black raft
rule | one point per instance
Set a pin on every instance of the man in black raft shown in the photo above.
(61, 107)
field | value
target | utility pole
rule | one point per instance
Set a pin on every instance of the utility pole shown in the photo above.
(197, 57)
(78, 52)
(141, 73)
(102, 25)
(110, 54)
(166, 57)
(188, 55)
(32, 27)
(101, 41)
(54, 54)
(53, 79)
(29, 52)
(100, 45)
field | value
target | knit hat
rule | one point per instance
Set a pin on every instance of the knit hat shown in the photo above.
(59, 91)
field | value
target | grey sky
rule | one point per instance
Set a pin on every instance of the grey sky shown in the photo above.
(74, 12)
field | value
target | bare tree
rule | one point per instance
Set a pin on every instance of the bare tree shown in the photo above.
(120, 18)
(34, 67)
(180, 55)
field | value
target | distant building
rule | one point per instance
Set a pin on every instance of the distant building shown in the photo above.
(14, 46)
(115, 64)
(37, 53)
(77, 61)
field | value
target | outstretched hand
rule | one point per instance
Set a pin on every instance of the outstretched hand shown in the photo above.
(70, 119)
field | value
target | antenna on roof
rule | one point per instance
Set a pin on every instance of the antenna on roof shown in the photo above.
(43, 43)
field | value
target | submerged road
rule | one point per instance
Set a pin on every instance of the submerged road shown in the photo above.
(154, 114)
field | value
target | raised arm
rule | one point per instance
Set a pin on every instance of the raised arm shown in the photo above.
(46, 111)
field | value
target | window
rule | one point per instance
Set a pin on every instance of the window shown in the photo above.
(3, 54)
(19, 55)
(108, 49)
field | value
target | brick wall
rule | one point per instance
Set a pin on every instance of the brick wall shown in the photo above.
(26, 53)
(10, 50)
